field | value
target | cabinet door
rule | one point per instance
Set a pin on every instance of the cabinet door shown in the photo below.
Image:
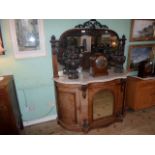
(107, 97)
(67, 107)
(68, 102)
(140, 93)
(148, 96)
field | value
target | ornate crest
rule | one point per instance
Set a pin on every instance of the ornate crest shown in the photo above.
(92, 24)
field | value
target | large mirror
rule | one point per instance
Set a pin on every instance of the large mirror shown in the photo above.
(77, 48)
(91, 43)
(86, 45)
(103, 103)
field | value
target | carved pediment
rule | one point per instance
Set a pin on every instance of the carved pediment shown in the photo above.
(92, 24)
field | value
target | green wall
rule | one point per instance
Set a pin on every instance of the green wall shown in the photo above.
(33, 76)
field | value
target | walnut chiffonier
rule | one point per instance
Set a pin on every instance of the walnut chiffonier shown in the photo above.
(89, 76)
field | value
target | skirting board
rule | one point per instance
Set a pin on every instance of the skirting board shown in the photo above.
(41, 120)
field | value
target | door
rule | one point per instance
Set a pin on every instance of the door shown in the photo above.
(104, 102)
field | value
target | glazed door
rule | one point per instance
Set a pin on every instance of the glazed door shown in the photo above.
(104, 102)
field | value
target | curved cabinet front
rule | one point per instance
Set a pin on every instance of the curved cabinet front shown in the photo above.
(68, 105)
(75, 104)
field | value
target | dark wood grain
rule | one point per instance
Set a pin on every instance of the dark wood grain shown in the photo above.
(10, 116)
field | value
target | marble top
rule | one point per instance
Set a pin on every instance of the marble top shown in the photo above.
(146, 78)
(1, 78)
(85, 78)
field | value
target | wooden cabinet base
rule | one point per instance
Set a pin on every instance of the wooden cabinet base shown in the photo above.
(140, 93)
(75, 104)
(70, 127)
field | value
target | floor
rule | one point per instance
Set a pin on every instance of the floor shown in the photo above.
(141, 122)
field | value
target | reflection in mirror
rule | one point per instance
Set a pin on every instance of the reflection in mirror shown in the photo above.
(73, 41)
(77, 48)
(79, 41)
(103, 104)
(81, 44)
(108, 41)
(86, 42)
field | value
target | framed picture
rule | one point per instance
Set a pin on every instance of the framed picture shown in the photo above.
(27, 37)
(142, 30)
(2, 51)
(138, 53)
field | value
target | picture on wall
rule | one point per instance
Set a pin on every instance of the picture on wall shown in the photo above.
(27, 37)
(139, 53)
(142, 30)
(2, 51)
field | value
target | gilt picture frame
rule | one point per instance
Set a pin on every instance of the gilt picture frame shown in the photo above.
(2, 51)
(142, 30)
(139, 53)
(27, 38)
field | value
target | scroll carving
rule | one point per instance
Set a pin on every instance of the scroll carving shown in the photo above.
(92, 24)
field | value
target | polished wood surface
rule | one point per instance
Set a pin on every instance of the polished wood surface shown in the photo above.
(140, 93)
(75, 104)
(68, 105)
(75, 88)
(10, 116)
(99, 68)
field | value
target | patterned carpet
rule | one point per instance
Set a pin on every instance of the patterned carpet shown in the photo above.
(141, 122)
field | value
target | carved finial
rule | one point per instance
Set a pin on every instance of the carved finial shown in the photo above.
(53, 41)
(53, 38)
(123, 37)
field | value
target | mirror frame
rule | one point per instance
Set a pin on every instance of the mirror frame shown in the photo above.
(91, 28)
